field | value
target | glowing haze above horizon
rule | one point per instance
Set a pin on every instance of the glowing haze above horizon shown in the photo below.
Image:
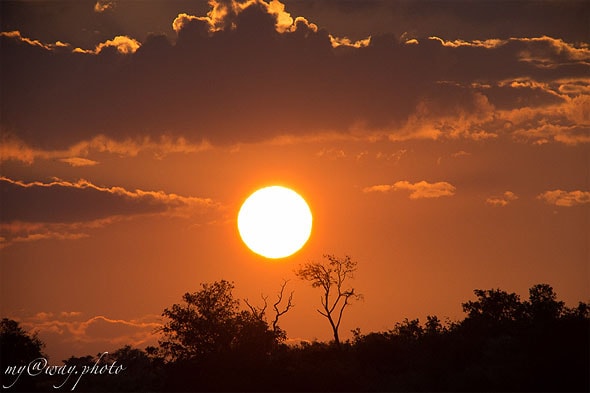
(442, 145)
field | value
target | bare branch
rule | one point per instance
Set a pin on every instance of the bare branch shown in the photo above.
(258, 312)
(278, 312)
(342, 308)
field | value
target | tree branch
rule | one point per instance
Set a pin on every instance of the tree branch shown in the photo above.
(258, 312)
(327, 275)
(289, 305)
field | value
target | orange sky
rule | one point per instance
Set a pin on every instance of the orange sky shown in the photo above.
(449, 152)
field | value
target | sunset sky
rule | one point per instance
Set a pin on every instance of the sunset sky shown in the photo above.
(444, 145)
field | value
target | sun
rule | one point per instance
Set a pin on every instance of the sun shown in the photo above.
(275, 222)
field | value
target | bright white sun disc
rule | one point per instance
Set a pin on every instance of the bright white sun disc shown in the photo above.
(275, 222)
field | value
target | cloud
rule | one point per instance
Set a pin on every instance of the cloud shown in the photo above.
(54, 201)
(573, 87)
(549, 52)
(183, 22)
(461, 117)
(14, 149)
(64, 210)
(70, 328)
(70, 313)
(16, 35)
(78, 161)
(224, 14)
(280, 74)
(565, 198)
(503, 200)
(23, 232)
(460, 153)
(561, 118)
(331, 153)
(284, 19)
(47, 234)
(103, 5)
(419, 190)
(542, 52)
(395, 156)
(424, 189)
(567, 122)
(379, 188)
(488, 44)
(122, 44)
(345, 41)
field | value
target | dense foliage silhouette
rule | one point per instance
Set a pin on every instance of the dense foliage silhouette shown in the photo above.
(17, 347)
(210, 344)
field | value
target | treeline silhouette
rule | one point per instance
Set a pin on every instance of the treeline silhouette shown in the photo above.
(210, 344)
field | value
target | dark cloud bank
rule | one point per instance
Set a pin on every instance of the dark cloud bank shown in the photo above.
(68, 202)
(243, 78)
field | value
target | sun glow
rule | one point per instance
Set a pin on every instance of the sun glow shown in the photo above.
(275, 222)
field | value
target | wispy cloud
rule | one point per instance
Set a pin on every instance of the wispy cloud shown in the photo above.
(502, 200)
(65, 210)
(488, 44)
(379, 188)
(14, 149)
(78, 161)
(72, 324)
(159, 196)
(66, 328)
(422, 189)
(331, 153)
(23, 232)
(17, 36)
(460, 153)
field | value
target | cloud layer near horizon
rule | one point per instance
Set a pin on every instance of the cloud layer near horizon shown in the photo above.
(69, 329)
(249, 71)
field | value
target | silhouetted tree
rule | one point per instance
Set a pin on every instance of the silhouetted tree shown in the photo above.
(542, 304)
(493, 307)
(16, 345)
(582, 311)
(433, 325)
(408, 330)
(17, 348)
(331, 277)
(210, 322)
(203, 324)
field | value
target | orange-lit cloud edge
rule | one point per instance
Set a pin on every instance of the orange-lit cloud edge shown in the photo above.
(55, 221)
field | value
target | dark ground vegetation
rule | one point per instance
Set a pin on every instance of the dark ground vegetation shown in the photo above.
(210, 344)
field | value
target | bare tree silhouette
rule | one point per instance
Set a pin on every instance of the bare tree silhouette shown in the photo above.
(331, 276)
